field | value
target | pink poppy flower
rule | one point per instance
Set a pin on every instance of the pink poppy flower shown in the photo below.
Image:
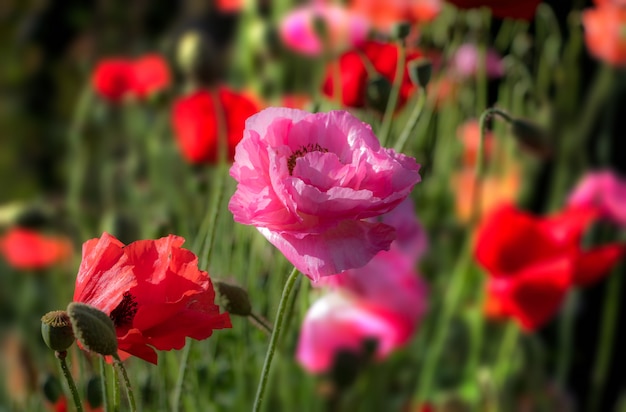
(308, 182)
(604, 190)
(345, 29)
(465, 62)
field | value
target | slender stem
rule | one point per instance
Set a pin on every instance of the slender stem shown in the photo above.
(395, 92)
(610, 315)
(280, 319)
(104, 385)
(129, 389)
(259, 321)
(116, 391)
(413, 119)
(507, 350)
(70, 381)
(182, 369)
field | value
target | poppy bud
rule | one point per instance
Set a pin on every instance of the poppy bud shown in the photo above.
(233, 299)
(400, 30)
(51, 388)
(56, 330)
(93, 328)
(377, 93)
(94, 392)
(420, 71)
(531, 137)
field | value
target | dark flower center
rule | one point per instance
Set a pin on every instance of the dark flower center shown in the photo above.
(124, 313)
(311, 147)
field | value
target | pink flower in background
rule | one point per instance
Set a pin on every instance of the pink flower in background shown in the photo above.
(465, 62)
(309, 182)
(382, 301)
(604, 190)
(345, 29)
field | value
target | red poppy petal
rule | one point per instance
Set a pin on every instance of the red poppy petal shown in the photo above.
(568, 226)
(596, 263)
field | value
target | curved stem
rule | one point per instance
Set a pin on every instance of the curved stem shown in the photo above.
(129, 389)
(104, 385)
(70, 381)
(260, 322)
(280, 319)
(413, 119)
(393, 96)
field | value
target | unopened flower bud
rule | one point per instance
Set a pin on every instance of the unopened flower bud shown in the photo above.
(56, 330)
(531, 137)
(420, 71)
(51, 388)
(94, 392)
(377, 93)
(233, 299)
(93, 328)
(400, 30)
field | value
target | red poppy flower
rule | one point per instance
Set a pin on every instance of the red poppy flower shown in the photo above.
(195, 120)
(384, 14)
(604, 32)
(355, 76)
(27, 249)
(514, 9)
(116, 78)
(533, 261)
(152, 290)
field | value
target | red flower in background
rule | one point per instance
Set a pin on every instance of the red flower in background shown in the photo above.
(354, 72)
(604, 31)
(28, 249)
(152, 290)
(196, 122)
(514, 9)
(533, 261)
(115, 78)
(384, 14)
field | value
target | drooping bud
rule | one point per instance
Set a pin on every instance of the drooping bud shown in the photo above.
(377, 93)
(93, 328)
(56, 330)
(94, 392)
(233, 299)
(51, 388)
(401, 30)
(420, 72)
(531, 137)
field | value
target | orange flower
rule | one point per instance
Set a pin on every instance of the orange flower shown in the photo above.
(495, 191)
(605, 33)
(384, 14)
(469, 134)
(27, 249)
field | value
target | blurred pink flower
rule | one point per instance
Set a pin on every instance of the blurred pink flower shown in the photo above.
(308, 182)
(465, 62)
(345, 29)
(605, 190)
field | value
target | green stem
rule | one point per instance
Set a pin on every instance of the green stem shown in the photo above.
(451, 300)
(280, 319)
(566, 330)
(393, 96)
(182, 369)
(104, 385)
(116, 392)
(259, 321)
(70, 381)
(413, 119)
(610, 316)
(506, 353)
(129, 389)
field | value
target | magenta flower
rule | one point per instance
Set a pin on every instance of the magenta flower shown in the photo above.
(605, 190)
(383, 301)
(309, 182)
(345, 29)
(465, 62)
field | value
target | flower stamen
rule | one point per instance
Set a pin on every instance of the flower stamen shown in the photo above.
(311, 147)
(125, 312)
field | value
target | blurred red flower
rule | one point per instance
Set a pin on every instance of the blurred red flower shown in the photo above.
(514, 9)
(604, 32)
(152, 290)
(354, 73)
(533, 261)
(196, 122)
(384, 14)
(28, 249)
(116, 78)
